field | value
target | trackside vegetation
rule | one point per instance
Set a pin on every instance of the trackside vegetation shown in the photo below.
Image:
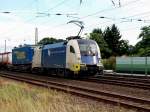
(16, 97)
(111, 43)
(109, 64)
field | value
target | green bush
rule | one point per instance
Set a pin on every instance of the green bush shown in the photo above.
(110, 63)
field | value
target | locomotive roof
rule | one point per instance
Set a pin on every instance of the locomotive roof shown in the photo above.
(85, 41)
(60, 44)
(26, 46)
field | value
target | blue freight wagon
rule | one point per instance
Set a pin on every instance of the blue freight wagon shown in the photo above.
(54, 55)
(22, 55)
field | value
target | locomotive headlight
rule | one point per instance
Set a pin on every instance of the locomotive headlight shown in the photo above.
(99, 64)
(99, 59)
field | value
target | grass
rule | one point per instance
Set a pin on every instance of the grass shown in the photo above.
(18, 97)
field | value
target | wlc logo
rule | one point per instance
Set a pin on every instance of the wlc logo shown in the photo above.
(20, 55)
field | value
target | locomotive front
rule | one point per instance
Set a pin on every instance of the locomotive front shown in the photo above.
(90, 57)
(84, 57)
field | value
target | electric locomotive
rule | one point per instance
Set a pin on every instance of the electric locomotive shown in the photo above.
(72, 58)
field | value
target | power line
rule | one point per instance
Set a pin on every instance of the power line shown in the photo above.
(109, 9)
(57, 5)
(143, 13)
(119, 3)
(89, 14)
(38, 12)
(114, 19)
(123, 19)
(104, 10)
(98, 12)
(37, 9)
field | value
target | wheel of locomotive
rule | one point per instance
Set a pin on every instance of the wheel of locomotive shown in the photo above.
(69, 74)
(76, 76)
(100, 72)
(66, 73)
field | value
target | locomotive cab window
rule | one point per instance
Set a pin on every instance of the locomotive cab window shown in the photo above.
(72, 49)
(87, 47)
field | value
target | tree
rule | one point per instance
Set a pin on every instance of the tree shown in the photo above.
(110, 42)
(124, 47)
(50, 40)
(112, 36)
(131, 50)
(145, 36)
(97, 35)
(145, 33)
(143, 47)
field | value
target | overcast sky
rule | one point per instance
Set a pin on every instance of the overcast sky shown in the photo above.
(17, 27)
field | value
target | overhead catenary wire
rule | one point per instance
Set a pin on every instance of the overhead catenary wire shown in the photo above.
(93, 14)
(138, 14)
(123, 19)
(129, 17)
(33, 18)
(118, 4)
(98, 12)
(20, 12)
(108, 9)
(119, 22)
(57, 5)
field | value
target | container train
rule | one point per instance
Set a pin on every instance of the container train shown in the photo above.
(5, 59)
(72, 58)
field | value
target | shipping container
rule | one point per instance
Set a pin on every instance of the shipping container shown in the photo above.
(5, 58)
(54, 55)
(22, 55)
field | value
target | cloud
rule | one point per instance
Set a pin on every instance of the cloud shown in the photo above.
(17, 33)
(9, 17)
(17, 30)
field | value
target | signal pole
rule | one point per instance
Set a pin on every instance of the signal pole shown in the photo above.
(36, 35)
(5, 46)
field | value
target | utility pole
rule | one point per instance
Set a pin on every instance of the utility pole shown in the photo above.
(36, 36)
(5, 46)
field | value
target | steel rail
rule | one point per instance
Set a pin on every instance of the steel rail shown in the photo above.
(119, 82)
(128, 78)
(124, 100)
(140, 76)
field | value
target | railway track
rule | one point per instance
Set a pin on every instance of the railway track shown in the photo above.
(131, 76)
(129, 81)
(96, 94)
(141, 79)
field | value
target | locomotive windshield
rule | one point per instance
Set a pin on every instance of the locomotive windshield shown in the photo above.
(87, 47)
